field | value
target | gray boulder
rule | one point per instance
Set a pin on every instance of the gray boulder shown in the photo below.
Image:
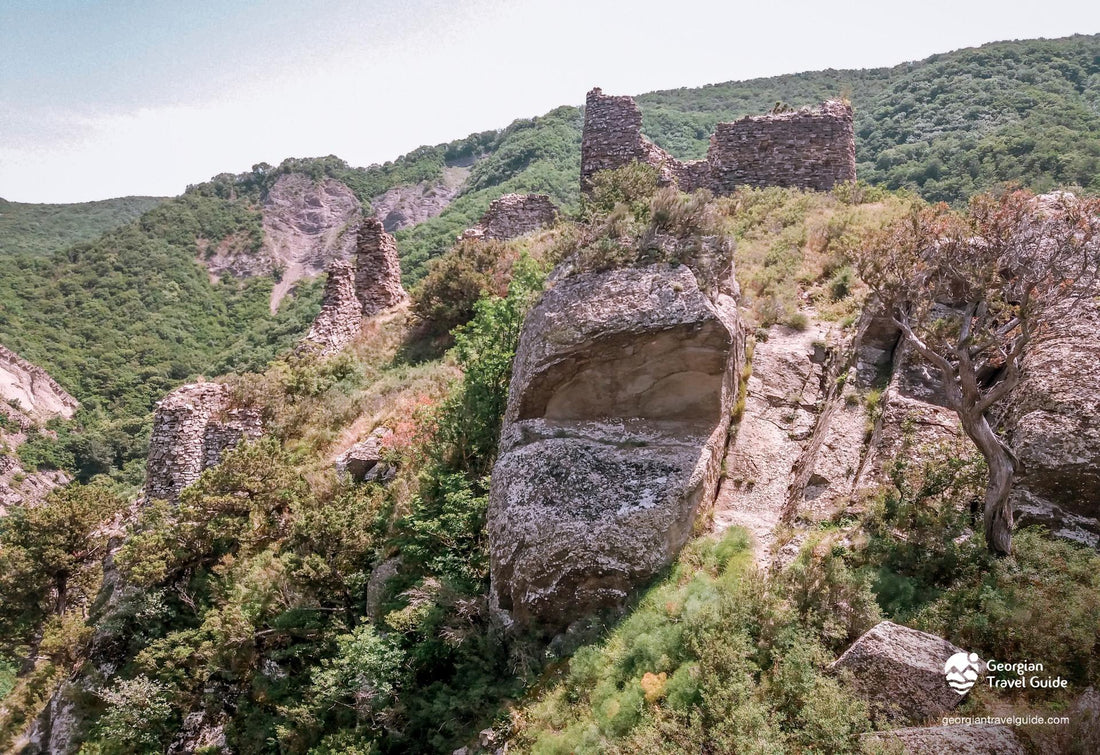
(900, 672)
(981, 739)
(363, 462)
(612, 441)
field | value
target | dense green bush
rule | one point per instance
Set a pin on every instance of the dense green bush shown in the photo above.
(714, 658)
(447, 295)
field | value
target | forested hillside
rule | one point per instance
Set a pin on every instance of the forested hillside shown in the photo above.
(43, 228)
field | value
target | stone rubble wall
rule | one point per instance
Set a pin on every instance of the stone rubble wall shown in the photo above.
(811, 148)
(341, 314)
(353, 292)
(377, 270)
(807, 149)
(515, 215)
(192, 426)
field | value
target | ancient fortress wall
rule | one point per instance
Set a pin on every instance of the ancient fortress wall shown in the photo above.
(811, 148)
(354, 292)
(192, 427)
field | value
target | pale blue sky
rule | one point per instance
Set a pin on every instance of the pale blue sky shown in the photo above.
(101, 99)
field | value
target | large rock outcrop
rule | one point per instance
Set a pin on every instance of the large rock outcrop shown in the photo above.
(192, 426)
(616, 425)
(900, 671)
(810, 148)
(1052, 422)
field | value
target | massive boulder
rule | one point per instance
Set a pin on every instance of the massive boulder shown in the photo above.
(900, 671)
(1052, 422)
(616, 425)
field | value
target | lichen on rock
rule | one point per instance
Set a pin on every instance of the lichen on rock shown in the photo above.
(613, 437)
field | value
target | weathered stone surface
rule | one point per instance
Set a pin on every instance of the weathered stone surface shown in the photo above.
(192, 426)
(900, 672)
(612, 440)
(979, 739)
(1052, 422)
(341, 315)
(201, 732)
(782, 402)
(811, 148)
(377, 270)
(514, 215)
(363, 462)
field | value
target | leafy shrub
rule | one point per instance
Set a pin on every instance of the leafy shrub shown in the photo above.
(632, 186)
(712, 659)
(471, 270)
(1041, 606)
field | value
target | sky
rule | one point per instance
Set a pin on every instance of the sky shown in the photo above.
(143, 97)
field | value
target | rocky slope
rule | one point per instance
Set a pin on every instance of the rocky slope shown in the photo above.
(30, 399)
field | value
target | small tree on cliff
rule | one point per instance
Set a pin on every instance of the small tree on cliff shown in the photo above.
(972, 292)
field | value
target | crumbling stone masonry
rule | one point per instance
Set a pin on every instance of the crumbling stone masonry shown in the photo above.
(354, 292)
(811, 148)
(514, 215)
(192, 427)
(341, 314)
(377, 270)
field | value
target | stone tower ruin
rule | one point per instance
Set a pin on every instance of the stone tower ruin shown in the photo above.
(811, 148)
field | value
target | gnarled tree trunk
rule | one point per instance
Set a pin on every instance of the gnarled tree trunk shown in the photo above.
(1002, 468)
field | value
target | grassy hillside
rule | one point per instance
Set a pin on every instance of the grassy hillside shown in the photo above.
(43, 228)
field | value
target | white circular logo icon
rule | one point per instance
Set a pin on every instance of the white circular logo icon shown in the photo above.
(962, 671)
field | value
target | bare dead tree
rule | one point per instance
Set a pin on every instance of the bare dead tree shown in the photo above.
(971, 292)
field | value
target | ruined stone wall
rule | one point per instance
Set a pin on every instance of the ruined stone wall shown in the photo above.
(341, 314)
(377, 270)
(192, 426)
(812, 148)
(512, 216)
(613, 138)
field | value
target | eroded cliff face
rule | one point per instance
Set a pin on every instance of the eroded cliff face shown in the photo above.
(29, 398)
(405, 206)
(615, 429)
(306, 225)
